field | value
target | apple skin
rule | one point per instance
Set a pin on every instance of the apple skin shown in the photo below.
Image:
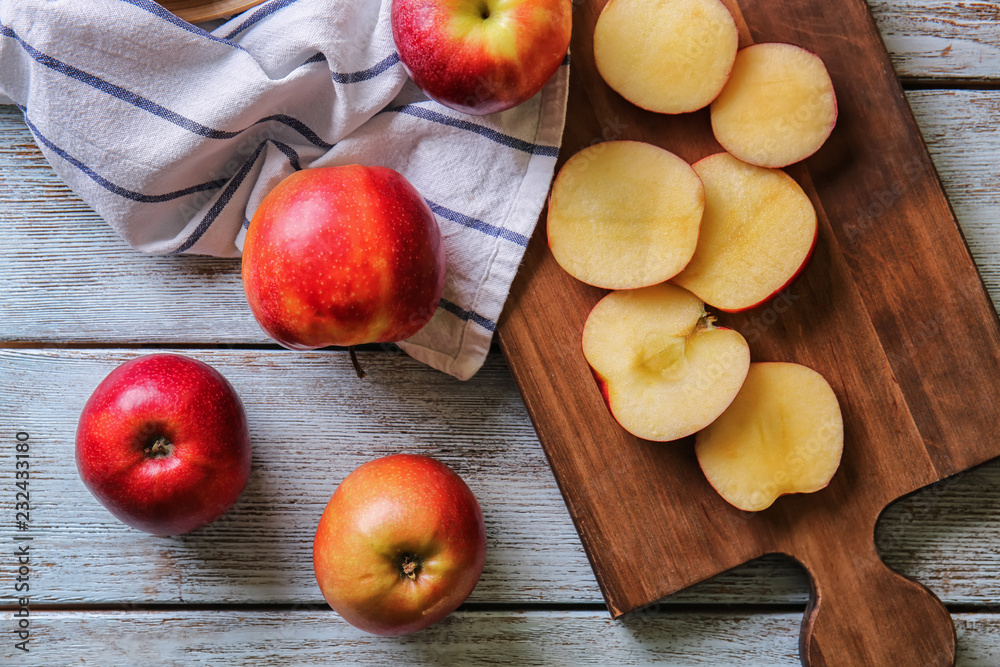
(605, 389)
(392, 511)
(163, 443)
(481, 56)
(788, 283)
(343, 256)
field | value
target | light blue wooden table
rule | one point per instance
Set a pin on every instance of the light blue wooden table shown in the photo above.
(75, 302)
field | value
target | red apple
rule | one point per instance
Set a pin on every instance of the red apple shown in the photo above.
(163, 443)
(481, 56)
(400, 545)
(343, 256)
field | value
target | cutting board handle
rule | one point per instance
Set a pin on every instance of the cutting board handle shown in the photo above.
(862, 613)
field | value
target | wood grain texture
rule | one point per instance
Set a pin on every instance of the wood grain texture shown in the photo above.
(56, 255)
(498, 638)
(854, 316)
(64, 276)
(313, 421)
(941, 39)
(196, 11)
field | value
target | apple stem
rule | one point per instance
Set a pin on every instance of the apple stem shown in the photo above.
(357, 365)
(706, 323)
(410, 566)
(159, 448)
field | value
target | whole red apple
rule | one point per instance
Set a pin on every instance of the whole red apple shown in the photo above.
(481, 56)
(400, 545)
(343, 256)
(163, 443)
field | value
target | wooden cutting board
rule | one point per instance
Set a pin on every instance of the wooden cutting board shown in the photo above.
(196, 11)
(891, 310)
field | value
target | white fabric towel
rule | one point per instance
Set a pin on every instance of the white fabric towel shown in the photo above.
(174, 134)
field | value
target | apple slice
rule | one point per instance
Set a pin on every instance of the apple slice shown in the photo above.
(783, 434)
(665, 371)
(778, 106)
(624, 214)
(757, 234)
(669, 56)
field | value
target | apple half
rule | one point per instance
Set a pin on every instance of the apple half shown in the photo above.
(668, 56)
(757, 234)
(778, 106)
(624, 214)
(784, 433)
(664, 369)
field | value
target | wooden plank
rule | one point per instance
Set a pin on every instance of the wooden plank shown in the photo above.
(197, 11)
(499, 638)
(913, 412)
(314, 421)
(940, 39)
(57, 256)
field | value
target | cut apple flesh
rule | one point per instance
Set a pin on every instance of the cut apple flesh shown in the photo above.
(783, 434)
(624, 214)
(669, 56)
(665, 371)
(778, 106)
(757, 233)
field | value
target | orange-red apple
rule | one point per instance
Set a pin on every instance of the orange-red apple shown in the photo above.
(481, 56)
(783, 434)
(664, 369)
(343, 256)
(400, 545)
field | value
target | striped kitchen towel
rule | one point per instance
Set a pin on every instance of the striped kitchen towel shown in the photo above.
(174, 134)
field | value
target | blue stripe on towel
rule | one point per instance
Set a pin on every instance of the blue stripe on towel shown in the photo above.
(213, 213)
(479, 225)
(171, 116)
(115, 91)
(505, 139)
(293, 157)
(157, 10)
(259, 15)
(370, 73)
(222, 201)
(294, 160)
(466, 315)
(111, 187)
(296, 125)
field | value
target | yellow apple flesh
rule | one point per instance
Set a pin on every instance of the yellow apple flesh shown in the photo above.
(665, 371)
(757, 234)
(778, 106)
(783, 434)
(624, 214)
(668, 56)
